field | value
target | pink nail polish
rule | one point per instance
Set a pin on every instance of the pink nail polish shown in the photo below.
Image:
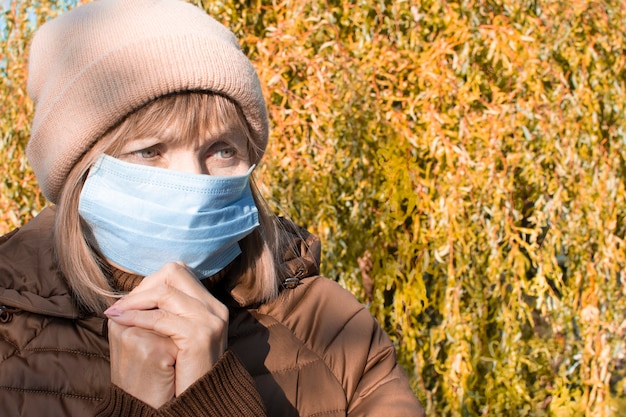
(113, 311)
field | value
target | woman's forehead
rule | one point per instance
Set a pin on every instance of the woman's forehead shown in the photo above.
(187, 119)
(175, 135)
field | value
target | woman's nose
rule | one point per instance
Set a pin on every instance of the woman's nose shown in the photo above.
(187, 162)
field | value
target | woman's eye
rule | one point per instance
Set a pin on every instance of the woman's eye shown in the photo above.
(147, 153)
(225, 153)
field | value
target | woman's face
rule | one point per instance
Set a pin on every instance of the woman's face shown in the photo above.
(221, 153)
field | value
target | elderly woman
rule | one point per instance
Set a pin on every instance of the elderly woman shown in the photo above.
(159, 283)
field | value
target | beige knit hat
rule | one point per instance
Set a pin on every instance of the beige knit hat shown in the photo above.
(92, 66)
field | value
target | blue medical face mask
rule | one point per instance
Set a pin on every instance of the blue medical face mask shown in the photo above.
(143, 217)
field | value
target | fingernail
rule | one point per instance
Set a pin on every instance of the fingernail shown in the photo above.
(113, 312)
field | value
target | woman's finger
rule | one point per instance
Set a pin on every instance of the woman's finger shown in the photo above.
(193, 322)
(170, 299)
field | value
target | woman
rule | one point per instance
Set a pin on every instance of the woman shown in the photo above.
(159, 283)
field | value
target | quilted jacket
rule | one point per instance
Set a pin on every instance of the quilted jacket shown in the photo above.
(313, 351)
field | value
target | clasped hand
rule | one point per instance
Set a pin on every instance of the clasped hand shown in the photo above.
(165, 334)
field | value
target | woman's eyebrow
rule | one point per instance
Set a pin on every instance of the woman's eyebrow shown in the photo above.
(230, 135)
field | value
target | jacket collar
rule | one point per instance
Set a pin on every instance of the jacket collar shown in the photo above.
(301, 258)
(29, 277)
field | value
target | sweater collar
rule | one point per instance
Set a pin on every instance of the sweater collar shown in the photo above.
(127, 281)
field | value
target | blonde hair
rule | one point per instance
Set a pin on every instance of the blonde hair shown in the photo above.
(192, 115)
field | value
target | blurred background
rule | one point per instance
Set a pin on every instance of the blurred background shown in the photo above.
(463, 163)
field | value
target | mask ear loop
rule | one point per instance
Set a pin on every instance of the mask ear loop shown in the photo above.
(95, 166)
(252, 168)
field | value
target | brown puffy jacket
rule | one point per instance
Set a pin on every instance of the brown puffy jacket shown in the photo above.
(314, 351)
